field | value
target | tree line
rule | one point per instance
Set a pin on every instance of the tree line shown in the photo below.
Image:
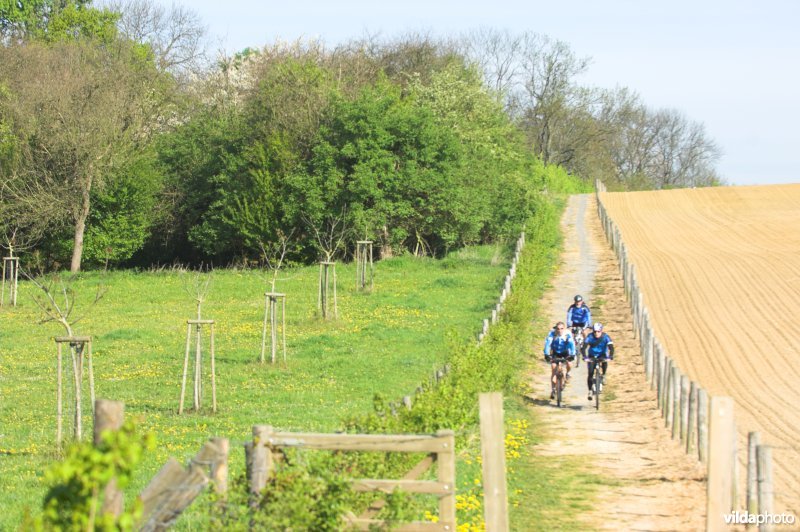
(122, 143)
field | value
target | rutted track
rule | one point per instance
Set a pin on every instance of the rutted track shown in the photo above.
(652, 484)
(720, 272)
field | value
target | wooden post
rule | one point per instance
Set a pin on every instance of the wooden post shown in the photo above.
(108, 415)
(335, 299)
(691, 426)
(59, 404)
(213, 374)
(684, 409)
(198, 359)
(364, 267)
(185, 365)
(752, 473)
(219, 469)
(198, 364)
(734, 470)
(326, 271)
(10, 272)
(80, 349)
(720, 468)
(676, 403)
(271, 311)
(652, 377)
(446, 473)
(493, 456)
(659, 374)
(765, 486)
(261, 465)
(702, 425)
(668, 394)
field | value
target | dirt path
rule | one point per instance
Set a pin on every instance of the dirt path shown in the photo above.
(652, 485)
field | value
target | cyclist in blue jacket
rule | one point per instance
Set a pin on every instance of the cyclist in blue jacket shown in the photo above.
(598, 348)
(559, 343)
(578, 314)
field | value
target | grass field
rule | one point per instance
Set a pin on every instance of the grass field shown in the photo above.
(385, 342)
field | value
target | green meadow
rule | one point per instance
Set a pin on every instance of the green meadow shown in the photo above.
(387, 342)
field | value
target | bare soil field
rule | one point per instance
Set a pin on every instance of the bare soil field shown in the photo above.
(719, 269)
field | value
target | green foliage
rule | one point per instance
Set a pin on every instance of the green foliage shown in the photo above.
(123, 213)
(55, 20)
(313, 497)
(77, 483)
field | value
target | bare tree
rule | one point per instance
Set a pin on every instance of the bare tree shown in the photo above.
(274, 254)
(58, 300)
(497, 53)
(329, 233)
(197, 287)
(176, 35)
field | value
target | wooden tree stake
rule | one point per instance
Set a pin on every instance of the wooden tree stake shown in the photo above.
(80, 350)
(271, 322)
(198, 365)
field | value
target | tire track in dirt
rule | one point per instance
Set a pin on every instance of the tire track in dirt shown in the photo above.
(652, 484)
(721, 303)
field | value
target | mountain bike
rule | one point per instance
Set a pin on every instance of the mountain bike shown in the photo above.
(577, 335)
(597, 380)
(560, 378)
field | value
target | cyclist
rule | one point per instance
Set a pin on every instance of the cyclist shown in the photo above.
(559, 343)
(578, 314)
(597, 349)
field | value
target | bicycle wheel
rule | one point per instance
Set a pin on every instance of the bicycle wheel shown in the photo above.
(559, 385)
(598, 376)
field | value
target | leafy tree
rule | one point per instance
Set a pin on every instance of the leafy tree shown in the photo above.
(80, 110)
(54, 20)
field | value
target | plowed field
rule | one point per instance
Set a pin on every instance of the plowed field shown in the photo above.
(719, 269)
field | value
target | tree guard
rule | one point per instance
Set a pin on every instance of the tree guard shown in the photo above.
(197, 325)
(10, 273)
(80, 348)
(271, 317)
(327, 270)
(365, 270)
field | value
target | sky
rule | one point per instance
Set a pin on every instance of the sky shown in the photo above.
(732, 65)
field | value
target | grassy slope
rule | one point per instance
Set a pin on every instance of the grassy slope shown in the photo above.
(385, 342)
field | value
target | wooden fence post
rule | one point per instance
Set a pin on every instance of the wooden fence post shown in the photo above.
(668, 393)
(691, 425)
(446, 472)
(108, 415)
(493, 456)
(702, 425)
(676, 403)
(720, 469)
(684, 409)
(765, 486)
(752, 473)
(260, 464)
(219, 469)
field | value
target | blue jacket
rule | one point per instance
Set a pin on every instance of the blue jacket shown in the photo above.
(559, 345)
(580, 314)
(601, 347)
